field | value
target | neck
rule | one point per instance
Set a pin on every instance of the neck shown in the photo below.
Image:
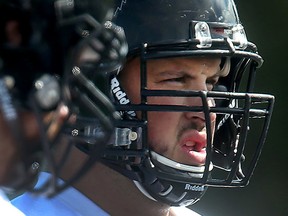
(113, 192)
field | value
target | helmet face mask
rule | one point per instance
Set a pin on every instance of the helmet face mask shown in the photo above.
(237, 108)
(182, 29)
(60, 33)
(240, 118)
(97, 47)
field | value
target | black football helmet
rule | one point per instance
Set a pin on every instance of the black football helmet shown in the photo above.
(48, 49)
(189, 28)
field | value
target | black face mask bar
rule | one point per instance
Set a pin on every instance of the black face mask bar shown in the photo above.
(53, 63)
(91, 118)
(235, 111)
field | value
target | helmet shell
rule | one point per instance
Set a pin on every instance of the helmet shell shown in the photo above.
(165, 21)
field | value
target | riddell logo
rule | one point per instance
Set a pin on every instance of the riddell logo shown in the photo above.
(194, 187)
(120, 95)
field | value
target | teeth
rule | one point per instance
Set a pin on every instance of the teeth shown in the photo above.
(190, 143)
(190, 146)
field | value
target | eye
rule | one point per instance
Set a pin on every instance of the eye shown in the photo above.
(176, 79)
(171, 80)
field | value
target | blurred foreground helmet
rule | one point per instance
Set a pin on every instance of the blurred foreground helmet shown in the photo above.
(190, 28)
(48, 48)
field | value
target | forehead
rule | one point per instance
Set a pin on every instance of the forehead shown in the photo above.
(187, 61)
(173, 64)
(189, 66)
(209, 61)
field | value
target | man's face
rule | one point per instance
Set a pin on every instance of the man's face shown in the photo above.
(180, 136)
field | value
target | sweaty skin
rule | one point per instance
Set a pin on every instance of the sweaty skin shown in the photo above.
(180, 136)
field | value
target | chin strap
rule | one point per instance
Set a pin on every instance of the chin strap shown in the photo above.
(172, 192)
(194, 171)
(143, 190)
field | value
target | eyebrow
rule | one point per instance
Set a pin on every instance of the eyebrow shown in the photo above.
(175, 73)
(188, 75)
(168, 72)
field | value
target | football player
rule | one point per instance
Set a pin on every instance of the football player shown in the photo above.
(187, 117)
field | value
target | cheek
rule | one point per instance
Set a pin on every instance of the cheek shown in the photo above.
(163, 123)
(159, 129)
(167, 101)
(162, 126)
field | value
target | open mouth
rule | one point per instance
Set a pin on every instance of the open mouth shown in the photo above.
(196, 157)
(193, 143)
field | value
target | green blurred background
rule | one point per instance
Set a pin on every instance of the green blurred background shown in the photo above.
(266, 25)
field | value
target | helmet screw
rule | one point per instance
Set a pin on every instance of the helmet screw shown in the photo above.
(35, 166)
(133, 136)
(76, 70)
(203, 27)
(85, 33)
(74, 132)
(39, 84)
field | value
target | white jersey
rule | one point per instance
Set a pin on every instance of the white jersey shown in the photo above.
(183, 211)
(69, 203)
(6, 208)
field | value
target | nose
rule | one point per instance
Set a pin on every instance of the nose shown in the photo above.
(203, 103)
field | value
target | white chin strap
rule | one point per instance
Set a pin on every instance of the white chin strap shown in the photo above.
(143, 191)
(193, 171)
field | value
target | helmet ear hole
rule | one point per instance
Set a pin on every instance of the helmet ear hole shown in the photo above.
(219, 101)
(220, 88)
